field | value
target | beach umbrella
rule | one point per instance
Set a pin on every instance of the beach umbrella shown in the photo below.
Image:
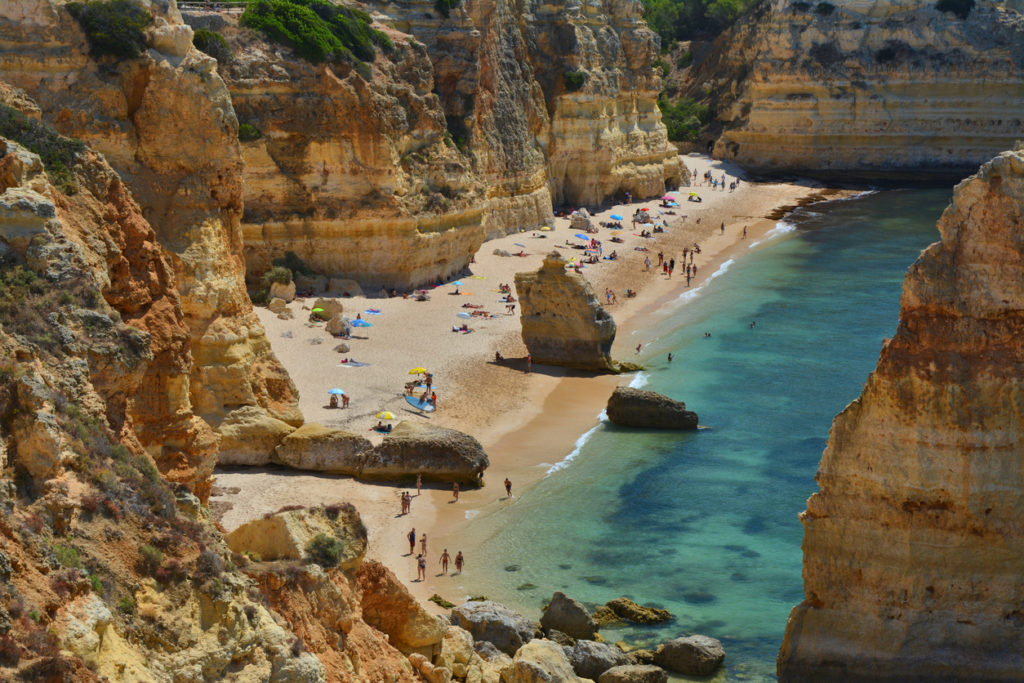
(545, 228)
(669, 198)
(318, 310)
(693, 194)
(457, 283)
(615, 232)
(385, 415)
(645, 209)
(463, 314)
(336, 392)
(616, 217)
(519, 244)
(418, 371)
(581, 236)
(358, 322)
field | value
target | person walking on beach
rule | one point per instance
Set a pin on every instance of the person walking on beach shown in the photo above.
(661, 258)
(638, 347)
(419, 484)
(670, 358)
(405, 503)
(412, 541)
(744, 232)
(455, 492)
(423, 545)
(723, 227)
(459, 562)
(445, 559)
(421, 567)
(529, 362)
(647, 264)
(508, 487)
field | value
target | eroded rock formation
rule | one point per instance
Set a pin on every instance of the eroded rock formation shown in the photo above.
(648, 409)
(877, 87)
(913, 549)
(563, 322)
(438, 453)
(165, 123)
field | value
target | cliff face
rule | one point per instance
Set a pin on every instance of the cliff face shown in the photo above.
(913, 548)
(463, 131)
(164, 122)
(563, 322)
(868, 86)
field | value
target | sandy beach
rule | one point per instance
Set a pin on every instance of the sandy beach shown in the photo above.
(522, 419)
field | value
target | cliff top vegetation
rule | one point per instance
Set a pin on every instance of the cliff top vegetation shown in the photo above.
(318, 31)
(685, 19)
(114, 28)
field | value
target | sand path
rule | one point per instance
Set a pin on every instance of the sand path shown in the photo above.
(522, 419)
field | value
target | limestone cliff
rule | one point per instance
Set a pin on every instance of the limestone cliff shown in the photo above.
(563, 323)
(913, 547)
(165, 123)
(867, 86)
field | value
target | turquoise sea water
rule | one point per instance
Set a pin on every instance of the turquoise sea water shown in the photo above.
(705, 524)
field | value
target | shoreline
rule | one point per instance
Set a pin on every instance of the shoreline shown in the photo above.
(526, 422)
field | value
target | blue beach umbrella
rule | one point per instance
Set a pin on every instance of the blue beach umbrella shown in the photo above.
(457, 283)
(463, 314)
(582, 236)
(361, 323)
(616, 217)
(336, 392)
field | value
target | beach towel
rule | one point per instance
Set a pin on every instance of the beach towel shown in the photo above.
(372, 311)
(352, 364)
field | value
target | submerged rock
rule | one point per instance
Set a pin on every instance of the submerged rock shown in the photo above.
(630, 611)
(634, 673)
(649, 410)
(563, 323)
(568, 616)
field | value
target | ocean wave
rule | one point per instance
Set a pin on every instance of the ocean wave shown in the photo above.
(470, 514)
(639, 381)
(781, 228)
(692, 293)
(602, 417)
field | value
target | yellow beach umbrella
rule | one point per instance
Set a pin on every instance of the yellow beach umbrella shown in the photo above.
(545, 228)
(385, 415)
(418, 371)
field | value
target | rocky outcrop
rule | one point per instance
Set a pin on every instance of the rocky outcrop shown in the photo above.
(286, 534)
(539, 661)
(389, 607)
(436, 453)
(873, 87)
(313, 447)
(490, 621)
(634, 673)
(692, 655)
(590, 659)
(185, 171)
(628, 610)
(630, 407)
(563, 323)
(913, 549)
(568, 616)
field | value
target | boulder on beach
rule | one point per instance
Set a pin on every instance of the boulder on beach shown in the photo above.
(539, 661)
(436, 453)
(563, 323)
(628, 610)
(630, 407)
(693, 655)
(634, 673)
(331, 308)
(343, 347)
(590, 659)
(248, 436)
(491, 621)
(322, 449)
(277, 305)
(285, 535)
(339, 326)
(283, 290)
(568, 616)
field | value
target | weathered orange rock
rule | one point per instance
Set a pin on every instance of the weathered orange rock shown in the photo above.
(913, 547)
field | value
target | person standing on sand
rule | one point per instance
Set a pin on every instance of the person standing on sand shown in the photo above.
(423, 545)
(638, 347)
(445, 559)
(412, 541)
(508, 487)
(744, 232)
(647, 264)
(419, 484)
(459, 562)
(670, 358)
(455, 492)
(723, 227)
(421, 568)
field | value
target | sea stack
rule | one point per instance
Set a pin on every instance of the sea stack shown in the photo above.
(630, 407)
(563, 322)
(914, 548)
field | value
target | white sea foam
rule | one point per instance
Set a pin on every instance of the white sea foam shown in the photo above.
(639, 381)
(692, 293)
(578, 446)
(470, 514)
(781, 228)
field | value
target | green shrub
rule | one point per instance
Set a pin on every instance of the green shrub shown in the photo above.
(961, 8)
(66, 555)
(113, 28)
(445, 6)
(683, 118)
(685, 60)
(248, 132)
(825, 8)
(317, 30)
(150, 559)
(58, 153)
(686, 19)
(801, 6)
(325, 550)
(662, 66)
(574, 80)
(277, 274)
(213, 44)
(126, 605)
(96, 583)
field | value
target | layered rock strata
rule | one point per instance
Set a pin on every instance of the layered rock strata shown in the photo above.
(563, 323)
(875, 87)
(913, 549)
(165, 123)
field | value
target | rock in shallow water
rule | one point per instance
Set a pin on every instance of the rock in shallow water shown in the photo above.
(568, 616)
(693, 655)
(630, 407)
